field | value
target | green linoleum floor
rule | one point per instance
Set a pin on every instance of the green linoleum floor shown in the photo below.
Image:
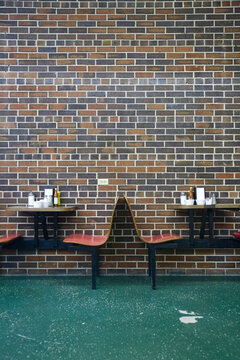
(55, 318)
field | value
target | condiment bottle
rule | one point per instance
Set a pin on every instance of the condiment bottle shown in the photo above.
(191, 194)
(55, 197)
(183, 198)
(59, 201)
(213, 198)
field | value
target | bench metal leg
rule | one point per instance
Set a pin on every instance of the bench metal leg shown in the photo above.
(149, 261)
(153, 266)
(94, 266)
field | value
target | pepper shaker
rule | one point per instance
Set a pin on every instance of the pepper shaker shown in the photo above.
(183, 198)
(213, 198)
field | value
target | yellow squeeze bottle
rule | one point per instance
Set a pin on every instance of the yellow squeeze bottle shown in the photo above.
(59, 202)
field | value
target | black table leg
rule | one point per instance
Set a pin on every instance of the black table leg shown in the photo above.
(210, 217)
(44, 226)
(36, 240)
(203, 224)
(55, 222)
(191, 226)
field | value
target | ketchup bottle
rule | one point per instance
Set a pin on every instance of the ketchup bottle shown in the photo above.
(55, 197)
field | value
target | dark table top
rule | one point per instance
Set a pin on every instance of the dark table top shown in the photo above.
(217, 206)
(48, 209)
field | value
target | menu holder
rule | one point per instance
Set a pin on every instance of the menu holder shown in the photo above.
(200, 195)
(48, 196)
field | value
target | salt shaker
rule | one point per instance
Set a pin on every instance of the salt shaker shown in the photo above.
(31, 199)
(213, 198)
(183, 198)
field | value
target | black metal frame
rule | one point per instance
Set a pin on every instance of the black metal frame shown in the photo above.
(206, 213)
(42, 216)
(152, 263)
(94, 250)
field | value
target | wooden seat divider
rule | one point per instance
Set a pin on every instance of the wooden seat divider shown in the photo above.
(153, 242)
(91, 243)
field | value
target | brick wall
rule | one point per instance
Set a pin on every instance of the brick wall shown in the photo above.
(142, 93)
(131, 260)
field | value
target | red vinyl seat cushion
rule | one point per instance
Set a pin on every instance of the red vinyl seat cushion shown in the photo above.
(157, 239)
(8, 238)
(85, 239)
(237, 234)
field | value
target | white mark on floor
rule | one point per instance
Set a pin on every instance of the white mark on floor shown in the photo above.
(186, 312)
(192, 319)
(25, 337)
